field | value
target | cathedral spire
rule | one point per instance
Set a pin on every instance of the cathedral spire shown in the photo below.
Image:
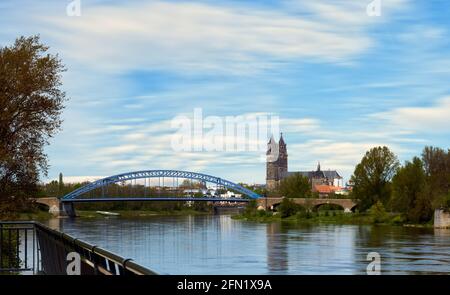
(318, 166)
(281, 139)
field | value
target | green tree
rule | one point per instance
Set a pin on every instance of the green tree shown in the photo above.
(409, 190)
(378, 213)
(295, 186)
(60, 185)
(372, 177)
(437, 170)
(422, 185)
(31, 103)
(422, 210)
(251, 208)
(288, 208)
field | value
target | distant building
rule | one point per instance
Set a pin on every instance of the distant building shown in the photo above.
(277, 169)
(324, 190)
(229, 194)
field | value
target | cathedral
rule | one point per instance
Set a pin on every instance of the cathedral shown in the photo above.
(277, 169)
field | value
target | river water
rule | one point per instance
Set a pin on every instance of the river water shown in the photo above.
(217, 244)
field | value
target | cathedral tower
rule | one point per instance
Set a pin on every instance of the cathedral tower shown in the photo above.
(282, 158)
(276, 162)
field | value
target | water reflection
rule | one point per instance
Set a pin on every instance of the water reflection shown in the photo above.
(217, 244)
(277, 250)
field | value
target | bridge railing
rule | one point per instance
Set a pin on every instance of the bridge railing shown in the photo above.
(49, 251)
(18, 248)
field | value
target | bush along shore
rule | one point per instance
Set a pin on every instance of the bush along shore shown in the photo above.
(288, 211)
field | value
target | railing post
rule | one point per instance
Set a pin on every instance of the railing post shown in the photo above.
(1, 246)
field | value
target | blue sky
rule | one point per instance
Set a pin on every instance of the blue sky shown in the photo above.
(340, 81)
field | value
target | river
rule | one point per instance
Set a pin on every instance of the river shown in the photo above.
(217, 244)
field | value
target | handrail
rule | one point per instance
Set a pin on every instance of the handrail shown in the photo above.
(94, 256)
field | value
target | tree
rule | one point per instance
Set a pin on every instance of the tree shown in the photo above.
(31, 103)
(437, 170)
(288, 208)
(422, 210)
(60, 184)
(295, 186)
(407, 184)
(378, 213)
(372, 177)
(410, 192)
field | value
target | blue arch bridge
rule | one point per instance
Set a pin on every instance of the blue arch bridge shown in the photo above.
(165, 188)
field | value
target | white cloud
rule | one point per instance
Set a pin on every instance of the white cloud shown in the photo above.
(302, 125)
(208, 37)
(431, 119)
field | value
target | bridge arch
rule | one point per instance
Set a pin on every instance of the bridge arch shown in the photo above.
(52, 204)
(159, 173)
(336, 205)
(348, 204)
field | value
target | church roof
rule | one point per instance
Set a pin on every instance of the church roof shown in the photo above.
(330, 174)
(308, 174)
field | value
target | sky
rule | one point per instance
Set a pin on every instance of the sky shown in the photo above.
(340, 80)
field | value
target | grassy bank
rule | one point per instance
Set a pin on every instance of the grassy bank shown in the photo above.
(327, 217)
(289, 211)
(26, 216)
(308, 217)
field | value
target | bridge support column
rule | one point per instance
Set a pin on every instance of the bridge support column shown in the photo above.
(68, 209)
(441, 218)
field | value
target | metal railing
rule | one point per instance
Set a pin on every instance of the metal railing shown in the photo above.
(49, 249)
(18, 247)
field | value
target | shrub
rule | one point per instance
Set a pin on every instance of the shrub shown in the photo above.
(263, 213)
(398, 220)
(378, 213)
(288, 208)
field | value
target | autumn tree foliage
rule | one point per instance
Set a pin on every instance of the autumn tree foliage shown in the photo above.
(31, 102)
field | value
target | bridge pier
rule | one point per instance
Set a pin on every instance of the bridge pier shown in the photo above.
(441, 218)
(68, 209)
(56, 207)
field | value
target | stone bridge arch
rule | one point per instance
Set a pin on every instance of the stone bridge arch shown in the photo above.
(271, 203)
(54, 205)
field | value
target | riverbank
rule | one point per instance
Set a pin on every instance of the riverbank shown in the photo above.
(37, 216)
(328, 217)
